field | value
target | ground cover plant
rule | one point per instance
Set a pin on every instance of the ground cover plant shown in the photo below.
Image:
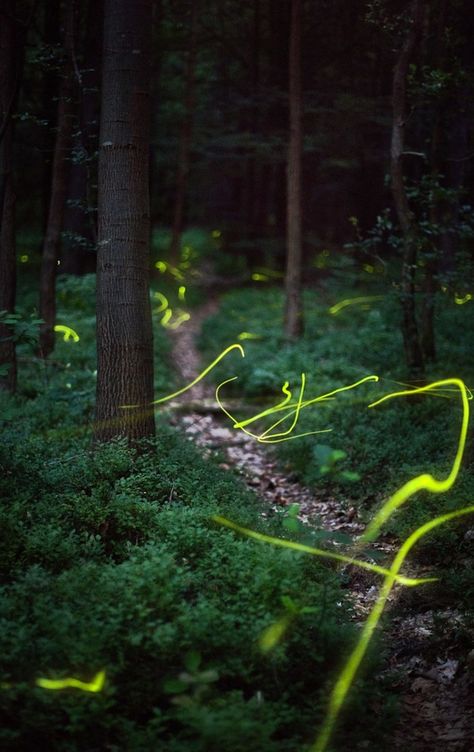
(110, 561)
(369, 453)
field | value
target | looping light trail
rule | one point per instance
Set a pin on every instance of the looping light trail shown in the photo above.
(422, 482)
(293, 408)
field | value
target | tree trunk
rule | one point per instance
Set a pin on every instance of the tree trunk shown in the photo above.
(294, 308)
(184, 150)
(124, 328)
(413, 351)
(8, 74)
(59, 177)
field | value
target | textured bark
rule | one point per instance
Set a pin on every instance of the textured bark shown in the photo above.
(294, 308)
(8, 86)
(80, 219)
(413, 351)
(59, 178)
(184, 150)
(124, 328)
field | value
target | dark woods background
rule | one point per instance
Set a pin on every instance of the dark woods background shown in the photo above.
(220, 106)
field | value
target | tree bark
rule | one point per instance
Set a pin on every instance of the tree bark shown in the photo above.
(8, 87)
(59, 178)
(413, 351)
(184, 150)
(124, 327)
(294, 308)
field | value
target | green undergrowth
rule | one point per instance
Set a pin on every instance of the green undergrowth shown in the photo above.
(110, 559)
(369, 452)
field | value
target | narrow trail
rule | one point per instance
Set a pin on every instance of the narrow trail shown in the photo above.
(436, 692)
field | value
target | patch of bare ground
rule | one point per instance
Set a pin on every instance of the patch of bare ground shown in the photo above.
(435, 689)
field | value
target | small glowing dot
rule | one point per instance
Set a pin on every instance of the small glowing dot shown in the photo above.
(24, 258)
(216, 234)
(161, 266)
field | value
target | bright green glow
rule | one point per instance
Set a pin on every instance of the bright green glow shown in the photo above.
(68, 332)
(161, 266)
(175, 272)
(460, 301)
(163, 302)
(248, 335)
(24, 258)
(259, 277)
(282, 543)
(391, 576)
(182, 292)
(182, 317)
(293, 408)
(273, 634)
(338, 307)
(347, 675)
(96, 685)
(424, 482)
(216, 234)
(196, 380)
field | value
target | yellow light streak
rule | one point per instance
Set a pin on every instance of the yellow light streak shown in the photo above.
(361, 300)
(96, 685)
(462, 300)
(196, 380)
(68, 332)
(303, 548)
(248, 335)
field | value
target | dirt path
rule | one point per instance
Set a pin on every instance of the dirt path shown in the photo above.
(436, 687)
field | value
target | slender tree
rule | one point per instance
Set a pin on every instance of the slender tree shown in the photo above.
(59, 179)
(411, 339)
(124, 328)
(8, 88)
(185, 139)
(294, 308)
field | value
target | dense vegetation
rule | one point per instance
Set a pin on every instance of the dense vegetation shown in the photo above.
(304, 170)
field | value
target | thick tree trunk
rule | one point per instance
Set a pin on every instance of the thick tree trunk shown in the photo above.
(59, 178)
(124, 328)
(294, 308)
(413, 351)
(8, 73)
(184, 150)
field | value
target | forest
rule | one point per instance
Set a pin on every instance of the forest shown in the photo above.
(236, 457)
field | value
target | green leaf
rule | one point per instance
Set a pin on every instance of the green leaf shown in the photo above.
(350, 476)
(174, 686)
(292, 525)
(192, 661)
(323, 453)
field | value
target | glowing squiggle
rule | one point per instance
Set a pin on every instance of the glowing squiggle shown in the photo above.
(338, 307)
(294, 410)
(424, 482)
(391, 576)
(68, 332)
(346, 677)
(195, 381)
(96, 685)
(282, 543)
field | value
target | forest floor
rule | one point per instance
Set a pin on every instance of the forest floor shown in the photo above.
(436, 701)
